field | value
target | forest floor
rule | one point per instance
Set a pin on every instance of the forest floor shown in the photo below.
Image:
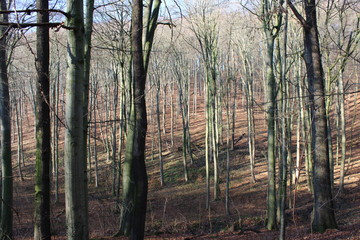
(177, 210)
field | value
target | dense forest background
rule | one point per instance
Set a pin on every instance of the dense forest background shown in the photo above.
(249, 108)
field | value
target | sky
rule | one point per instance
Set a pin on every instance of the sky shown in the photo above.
(170, 8)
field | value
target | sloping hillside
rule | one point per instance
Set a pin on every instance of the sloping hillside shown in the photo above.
(177, 210)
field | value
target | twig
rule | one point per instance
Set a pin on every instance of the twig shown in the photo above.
(237, 140)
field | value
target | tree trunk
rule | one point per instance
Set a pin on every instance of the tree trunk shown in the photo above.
(74, 150)
(135, 183)
(159, 133)
(183, 112)
(56, 98)
(271, 104)
(88, 25)
(20, 153)
(172, 118)
(233, 112)
(341, 96)
(248, 87)
(5, 147)
(43, 125)
(114, 131)
(95, 107)
(164, 109)
(323, 212)
(227, 191)
(269, 11)
(207, 154)
(122, 123)
(285, 133)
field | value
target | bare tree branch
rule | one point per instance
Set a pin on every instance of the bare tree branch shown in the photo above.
(25, 25)
(29, 11)
(296, 13)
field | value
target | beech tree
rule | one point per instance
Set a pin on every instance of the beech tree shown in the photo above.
(323, 210)
(6, 222)
(43, 149)
(74, 152)
(271, 21)
(183, 82)
(206, 33)
(135, 183)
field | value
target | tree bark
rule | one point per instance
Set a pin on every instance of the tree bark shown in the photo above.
(43, 136)
(271, 213)
(161, 162)
(135, 183)
(285, 130)
(341, 97)
(323, 212)
(20, 152)
(5, 147)
(75, 148)
(88, 25)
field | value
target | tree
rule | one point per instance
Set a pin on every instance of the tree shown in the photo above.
(248, 85)
(271, 26)
(338, 46)
(5, 146)
(135, 184)
(179, 68)
(285, 125)
(323, 211)
(74, 152)
(88, 26)
(206, 32)
(43, 149)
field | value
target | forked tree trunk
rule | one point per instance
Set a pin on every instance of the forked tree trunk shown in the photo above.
(269, 11)
(135, 183)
